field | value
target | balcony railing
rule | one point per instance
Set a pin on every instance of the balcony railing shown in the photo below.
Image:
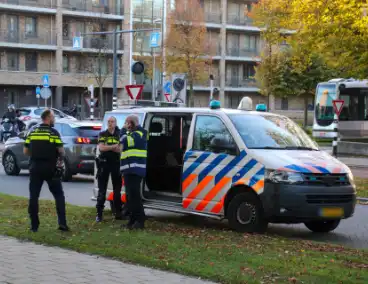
(94, 43)
(38, 38)
(30, 69)
(213, 18)
(237, 82)
(33, 3)
(88, 6)
(239, 21)
(206, 83)
(242, 52)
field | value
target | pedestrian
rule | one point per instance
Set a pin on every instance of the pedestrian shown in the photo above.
(44, 147)
(133, 168)
(109, 164)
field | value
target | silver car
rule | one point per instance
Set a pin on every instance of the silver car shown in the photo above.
(80, 141)
(32, 115)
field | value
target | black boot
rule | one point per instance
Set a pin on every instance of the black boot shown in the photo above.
(99, 217)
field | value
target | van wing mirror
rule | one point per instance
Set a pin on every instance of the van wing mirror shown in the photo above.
(221, 144)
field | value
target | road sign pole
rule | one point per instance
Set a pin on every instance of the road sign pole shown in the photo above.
(91, 102)
(115, 71)
(154, 76)
(338, 106)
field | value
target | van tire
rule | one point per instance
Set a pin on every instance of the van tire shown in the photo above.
(245, 214)
(324, 226)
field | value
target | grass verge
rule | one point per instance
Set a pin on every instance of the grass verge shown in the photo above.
(362, 186)
(217, 254)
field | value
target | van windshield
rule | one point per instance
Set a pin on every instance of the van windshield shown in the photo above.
(120, 118)
(271, 132)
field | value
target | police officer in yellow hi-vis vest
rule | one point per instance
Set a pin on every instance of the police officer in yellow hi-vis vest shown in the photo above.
(133, 167)
(45, 148)
(109, 163)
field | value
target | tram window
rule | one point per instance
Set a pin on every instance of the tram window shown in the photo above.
(355, 107)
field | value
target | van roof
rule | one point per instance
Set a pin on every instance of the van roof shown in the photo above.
(187, 110)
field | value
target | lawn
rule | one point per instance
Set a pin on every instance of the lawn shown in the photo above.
(362, 186)
(191, 246)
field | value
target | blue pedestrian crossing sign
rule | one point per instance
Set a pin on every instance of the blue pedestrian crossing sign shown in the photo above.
(167, 88)
(38, 90)
(45, 81)
(77, 42)
(155, 39)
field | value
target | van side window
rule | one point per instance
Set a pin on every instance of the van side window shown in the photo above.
(207, 129)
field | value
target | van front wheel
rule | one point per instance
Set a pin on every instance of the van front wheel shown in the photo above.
(322, 226)
(245, 214)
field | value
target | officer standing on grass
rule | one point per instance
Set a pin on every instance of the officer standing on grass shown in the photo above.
(109, 164)
(45, 148)
(133, 168)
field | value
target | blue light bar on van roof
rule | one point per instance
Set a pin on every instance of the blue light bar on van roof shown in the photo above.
(261, 107)
(215, 104)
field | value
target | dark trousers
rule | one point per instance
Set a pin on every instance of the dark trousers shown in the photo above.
(108, 169)
(37, 178)
(134, 199)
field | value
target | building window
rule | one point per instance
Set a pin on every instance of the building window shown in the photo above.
(65, 63)
(65, 31)
(250, 42)
(31, 26)
(284, 104)
(31, 61)
(13, 61)
(248, 71)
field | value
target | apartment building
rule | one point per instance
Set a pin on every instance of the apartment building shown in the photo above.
(36, 39)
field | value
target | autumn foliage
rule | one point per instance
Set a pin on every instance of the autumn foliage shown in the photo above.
(187, 49)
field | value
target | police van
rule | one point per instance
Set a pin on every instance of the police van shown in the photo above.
(249, 167)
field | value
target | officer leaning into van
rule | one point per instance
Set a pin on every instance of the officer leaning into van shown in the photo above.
(45, 148)
(108, 163)
(133, 168)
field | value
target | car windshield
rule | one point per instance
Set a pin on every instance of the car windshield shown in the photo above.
(271, 132)
(120, 117)
(24, 112)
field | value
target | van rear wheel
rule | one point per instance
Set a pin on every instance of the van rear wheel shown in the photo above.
(245, 214)
(322, 226)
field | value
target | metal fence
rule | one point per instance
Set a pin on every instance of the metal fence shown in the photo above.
(237, 82)
(238, 20)
(242, 52)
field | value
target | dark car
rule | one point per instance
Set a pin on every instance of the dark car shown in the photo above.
(80, 141)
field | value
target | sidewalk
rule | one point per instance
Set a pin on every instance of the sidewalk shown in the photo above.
(349, 161)
(29, 263)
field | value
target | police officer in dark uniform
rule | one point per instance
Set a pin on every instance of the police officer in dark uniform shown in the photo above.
(45, 148)
(133, 167)
(109, 163)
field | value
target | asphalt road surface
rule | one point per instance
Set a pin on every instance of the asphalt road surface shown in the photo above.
(352, 232)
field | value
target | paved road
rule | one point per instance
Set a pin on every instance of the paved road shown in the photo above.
(28, 263)
(352, 232)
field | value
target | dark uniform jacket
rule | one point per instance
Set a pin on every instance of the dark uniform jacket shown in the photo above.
(107, 138)
(43, 141)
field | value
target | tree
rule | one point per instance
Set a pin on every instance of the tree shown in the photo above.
(186, 43)
(99, 65)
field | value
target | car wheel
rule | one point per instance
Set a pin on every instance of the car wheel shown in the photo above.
(245, 214)
(322, 226)
(10, 164)
(67, 176)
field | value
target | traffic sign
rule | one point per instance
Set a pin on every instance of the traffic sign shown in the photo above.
(38, 90)
(167, 88)
(77, 42)
(45, 93)
(45, 81)
(168, 97)
(134, 91)
(155, 40)
(338, 105)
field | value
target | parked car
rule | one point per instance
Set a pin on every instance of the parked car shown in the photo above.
(80, 141)
(32, 115)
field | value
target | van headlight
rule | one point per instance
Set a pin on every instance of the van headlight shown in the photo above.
(276, 176)
(351, 178)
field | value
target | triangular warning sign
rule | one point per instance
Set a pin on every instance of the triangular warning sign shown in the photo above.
(338, 105)
(134, 91)
(168, 97)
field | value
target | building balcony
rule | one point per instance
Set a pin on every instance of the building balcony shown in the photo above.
(29, 6)
(21, 76)
(18, 39)
(82, 79)
(241, 54)
(85, 8)
(213, 18)
(94, 45)
(240, 84)
(239, 21)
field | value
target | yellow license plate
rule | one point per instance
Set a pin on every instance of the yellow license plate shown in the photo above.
(332, 212)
